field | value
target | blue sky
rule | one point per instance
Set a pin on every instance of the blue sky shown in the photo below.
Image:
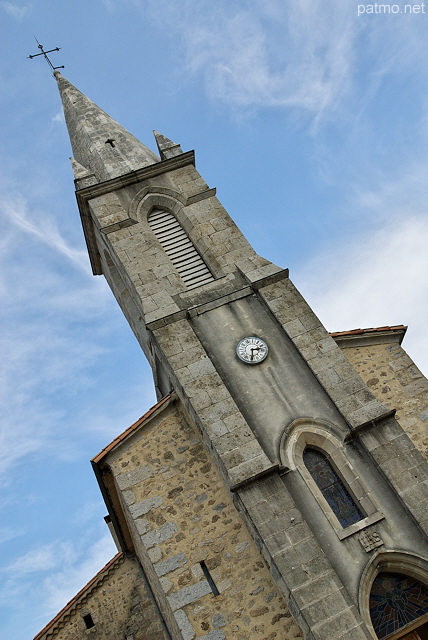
(312, 123)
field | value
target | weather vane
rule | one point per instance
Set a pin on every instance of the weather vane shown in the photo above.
(44, 53)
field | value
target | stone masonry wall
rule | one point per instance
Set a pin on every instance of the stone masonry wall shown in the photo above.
(188, 524)
(390, 447)
(394, 378)
(121, 227)
(119, 604)
(210, 404)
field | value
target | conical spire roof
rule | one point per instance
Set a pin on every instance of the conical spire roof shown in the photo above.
(167, 148)
(99, 143)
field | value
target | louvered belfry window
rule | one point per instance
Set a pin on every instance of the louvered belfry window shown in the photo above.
(179, 249)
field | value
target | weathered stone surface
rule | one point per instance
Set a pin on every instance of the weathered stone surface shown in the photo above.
(120, 606)
(131, 478)
(207, 528)
(244, 415)
(89, 142)
(140, 508)
(214, 635)
(160, 535)
(389, 372)
(170, 564)
(185, 627)
(189, 594)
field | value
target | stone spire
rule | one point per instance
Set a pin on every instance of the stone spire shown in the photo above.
(99, 143)
(167, 148)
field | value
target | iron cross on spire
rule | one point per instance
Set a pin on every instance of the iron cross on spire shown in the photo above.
(44, 53)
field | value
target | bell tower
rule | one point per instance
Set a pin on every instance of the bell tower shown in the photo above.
(328, 484)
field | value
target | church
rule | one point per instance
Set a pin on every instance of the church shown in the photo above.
(278, 488)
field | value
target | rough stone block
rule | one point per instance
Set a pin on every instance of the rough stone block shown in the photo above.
(334, 627)
(157, 536)
(170, 564)
(233, 439)
(189, 594)
(184, 625)
(131, 478)
(317, 589)
(260, 511)
(217, 429)
(370, 411)
(142, 525)
(332, 604)
(305, 551)
(243, 472)
(141, 508)
(294, 328)
(357, 633)
(219, 411)
(129, 497)
(217, 634)
(202, 367)
(276, 524)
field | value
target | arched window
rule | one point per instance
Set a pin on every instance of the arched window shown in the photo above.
(179, 249)
(398, 601)
(332, 488)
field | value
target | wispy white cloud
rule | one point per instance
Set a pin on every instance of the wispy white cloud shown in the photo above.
(8, 533)
(14, 10)
(85, 515)
(49, 575)
(374, 279)
(75, 570)
(272, 55)
(52, 343)
(303, 57)
(43, 558)
(47, 294)
(398, 196)
(43, 227)
(59, 117)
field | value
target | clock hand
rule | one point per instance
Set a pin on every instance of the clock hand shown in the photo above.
(252, 351)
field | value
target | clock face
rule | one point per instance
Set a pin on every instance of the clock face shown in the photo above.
(252, 350)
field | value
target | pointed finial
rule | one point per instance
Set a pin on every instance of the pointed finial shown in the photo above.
(167, 148)
(83, 177)
(44, 53)
(100, 143)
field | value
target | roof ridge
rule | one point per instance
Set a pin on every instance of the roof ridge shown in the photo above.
(130, 429)
(98, 577)
(368, 330)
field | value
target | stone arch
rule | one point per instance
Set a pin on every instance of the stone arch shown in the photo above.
(150, 198)
(330, 440)
(173, 203)
(392, 562)
(180, 250)
(302, 431)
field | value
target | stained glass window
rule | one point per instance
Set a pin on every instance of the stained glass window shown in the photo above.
(332, 487)
(396, 600)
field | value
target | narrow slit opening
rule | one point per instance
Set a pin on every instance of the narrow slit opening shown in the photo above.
(209, 578)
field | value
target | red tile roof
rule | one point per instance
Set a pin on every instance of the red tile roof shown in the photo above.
(130, 429)
(353, 332)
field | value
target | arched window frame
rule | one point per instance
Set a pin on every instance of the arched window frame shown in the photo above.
(173, 202)
(328, 480)
(389, 562)
(329, 440)
(179, 248)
